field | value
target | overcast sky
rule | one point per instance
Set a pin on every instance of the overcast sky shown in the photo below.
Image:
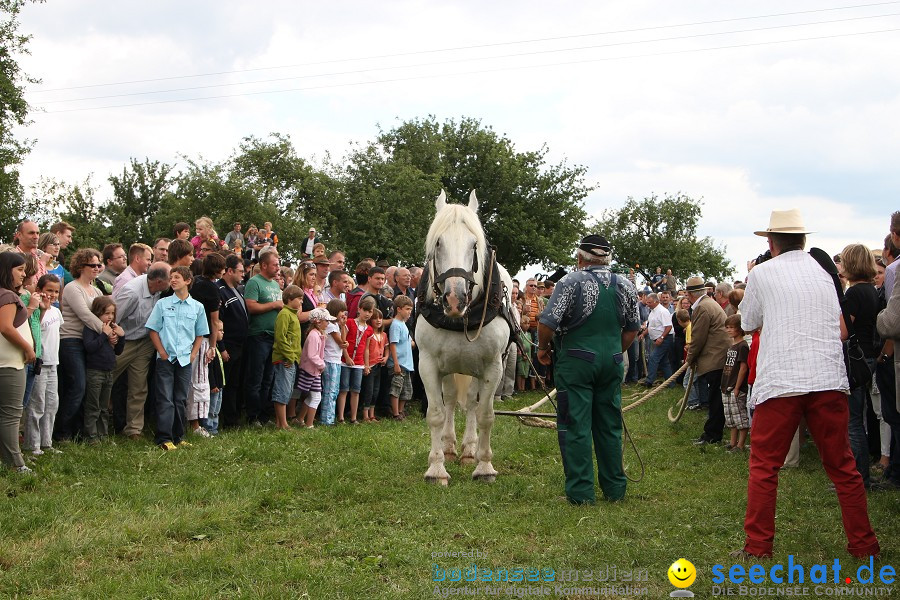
(738, 103)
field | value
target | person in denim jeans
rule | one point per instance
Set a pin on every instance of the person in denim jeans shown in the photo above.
(177, 326)
(659, 327)
(263, 298)
(286, 353)
(75, 305)
(861, 303)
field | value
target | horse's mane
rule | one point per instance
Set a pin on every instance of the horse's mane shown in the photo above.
(448, 219)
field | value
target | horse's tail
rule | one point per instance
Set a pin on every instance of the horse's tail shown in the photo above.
(462, 383)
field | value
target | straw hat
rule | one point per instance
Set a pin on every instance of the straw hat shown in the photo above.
(695, 284)
(785, 221)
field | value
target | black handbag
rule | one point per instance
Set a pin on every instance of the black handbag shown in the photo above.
(858, 371)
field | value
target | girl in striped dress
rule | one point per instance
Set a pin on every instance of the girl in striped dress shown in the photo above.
(312, 363)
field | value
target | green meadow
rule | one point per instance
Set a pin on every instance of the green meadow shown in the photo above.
(344, 512)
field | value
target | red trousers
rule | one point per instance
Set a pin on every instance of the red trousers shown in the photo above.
(774, 424)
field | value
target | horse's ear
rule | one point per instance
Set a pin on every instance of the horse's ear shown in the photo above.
(473, 202)
(441, 201)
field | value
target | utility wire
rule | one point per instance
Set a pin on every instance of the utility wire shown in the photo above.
(476, 72)
(472, 47)
(470, 59)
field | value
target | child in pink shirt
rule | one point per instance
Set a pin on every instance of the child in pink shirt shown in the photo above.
(312, 364)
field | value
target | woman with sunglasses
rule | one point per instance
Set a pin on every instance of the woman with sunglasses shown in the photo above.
(76, 303)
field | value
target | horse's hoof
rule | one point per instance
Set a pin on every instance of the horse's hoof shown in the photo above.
(485, 478)
(444, 481)
(449, 457)
(467, 460)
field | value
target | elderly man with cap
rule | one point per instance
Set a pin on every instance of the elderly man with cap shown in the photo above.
(706, 357)
(592, 318)
(800, 373)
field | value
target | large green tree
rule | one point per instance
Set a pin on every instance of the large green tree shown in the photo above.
(76, 204)
(532, 211)
(662, 232)
(14, 111)
(138, 195)
(263, 180)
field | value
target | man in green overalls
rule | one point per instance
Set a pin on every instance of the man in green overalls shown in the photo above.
(591, 319)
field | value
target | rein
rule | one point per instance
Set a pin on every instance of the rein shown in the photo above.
(485, 291)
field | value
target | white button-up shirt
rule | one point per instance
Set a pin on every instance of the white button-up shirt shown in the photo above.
(660, 318)
(794, 301)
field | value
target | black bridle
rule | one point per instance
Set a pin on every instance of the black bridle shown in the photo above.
(469, 276)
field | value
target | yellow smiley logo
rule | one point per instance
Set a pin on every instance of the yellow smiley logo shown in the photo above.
(682, 573)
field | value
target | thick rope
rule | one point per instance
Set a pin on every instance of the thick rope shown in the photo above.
(657, 389)
(682, 404)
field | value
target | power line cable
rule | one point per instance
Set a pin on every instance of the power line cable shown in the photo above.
(472, 47)
(469, 59)
(476, 72)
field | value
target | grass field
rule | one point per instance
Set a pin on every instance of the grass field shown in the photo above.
(343, 512)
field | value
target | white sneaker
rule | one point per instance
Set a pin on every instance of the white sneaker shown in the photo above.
(24, 470)
(201, 432)
(37, 452)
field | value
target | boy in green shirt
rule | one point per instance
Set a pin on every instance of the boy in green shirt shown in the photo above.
(286, 353)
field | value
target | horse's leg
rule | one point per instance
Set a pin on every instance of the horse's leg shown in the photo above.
(470, 436)
(448, 433)
(435, 416)
(485, 470)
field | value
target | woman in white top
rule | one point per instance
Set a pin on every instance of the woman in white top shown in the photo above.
(16, 350)
(76, 311)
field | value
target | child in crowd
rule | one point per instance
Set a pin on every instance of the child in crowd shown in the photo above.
(216, 384)
(335, 354)
(41, 412)
(312, 364)
(401, 359)
(26, 293)
(199, 394)
(734, 385)
(358, 332)
(100, 353)
(523, 367)
(318, 250)
(375, 357)
(177, 326)
(684, 319)
(286, 352)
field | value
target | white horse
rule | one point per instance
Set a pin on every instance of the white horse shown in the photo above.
(459, 267)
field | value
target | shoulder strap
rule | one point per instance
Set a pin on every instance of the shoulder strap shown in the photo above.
(828, 265)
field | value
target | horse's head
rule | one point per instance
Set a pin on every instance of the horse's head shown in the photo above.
(455, 248)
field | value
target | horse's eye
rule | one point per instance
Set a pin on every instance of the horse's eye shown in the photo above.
(437, 244)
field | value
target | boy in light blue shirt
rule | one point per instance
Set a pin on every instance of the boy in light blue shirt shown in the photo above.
(177, 326)
(401, 358)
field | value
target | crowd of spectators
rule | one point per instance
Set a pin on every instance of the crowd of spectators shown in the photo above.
(725, 364)
(192, 334)
(189, 335)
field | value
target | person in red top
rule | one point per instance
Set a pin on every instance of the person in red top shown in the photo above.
(358, 333)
